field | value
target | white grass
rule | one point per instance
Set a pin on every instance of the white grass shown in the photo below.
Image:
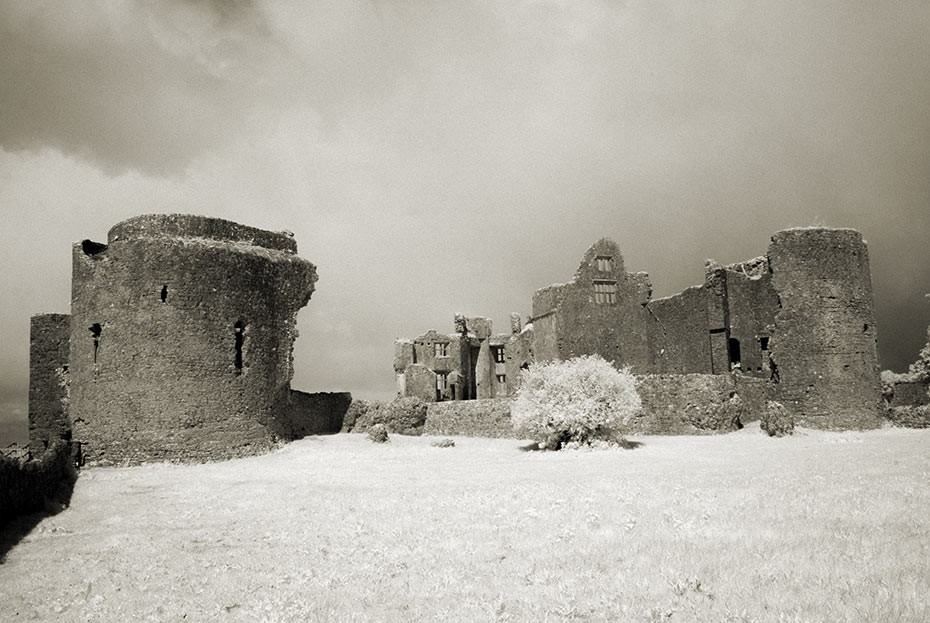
(815, 527)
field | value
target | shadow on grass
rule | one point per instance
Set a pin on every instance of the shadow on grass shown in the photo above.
(16, 529)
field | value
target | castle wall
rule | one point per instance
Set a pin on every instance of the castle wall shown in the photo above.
(182, 329)
(824, 345)
(678, 338)
(317, 413)
(49, 336)
(692, 404)
(751, 307)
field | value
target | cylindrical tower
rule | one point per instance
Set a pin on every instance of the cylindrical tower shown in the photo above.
(182, 329)
(824, 344)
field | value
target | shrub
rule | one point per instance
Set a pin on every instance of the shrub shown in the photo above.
(776, 421)
(378, 433)
(405, 415)
(359, 416)
(580, 400)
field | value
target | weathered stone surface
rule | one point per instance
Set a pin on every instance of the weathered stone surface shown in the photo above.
(38, 484)
(686, 404)
(911, 416)
(910, 393)
(824, 343)
(470, 418)
(182, 328)
(315, 414)
(48, 380)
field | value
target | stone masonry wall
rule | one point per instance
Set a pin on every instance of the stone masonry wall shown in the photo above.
(49, 336)
(824, 344)
(316, 414)
(688, 404)
(470, 418)
(182, 329)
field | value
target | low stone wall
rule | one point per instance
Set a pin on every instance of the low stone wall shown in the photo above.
(673, 404)
(910, 394)
(317, 414)
(470, 418)
(35, 485)
(696, 404)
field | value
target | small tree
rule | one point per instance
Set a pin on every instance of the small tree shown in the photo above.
(580, 400)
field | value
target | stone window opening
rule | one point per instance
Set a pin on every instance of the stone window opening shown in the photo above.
(764, 343)
(605, 263)
(501, 379)
(240, 343)
(441, 349)
(498, 353)
(605, 292)
(164, 293)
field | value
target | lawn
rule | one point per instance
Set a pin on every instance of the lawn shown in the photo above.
(742, 527)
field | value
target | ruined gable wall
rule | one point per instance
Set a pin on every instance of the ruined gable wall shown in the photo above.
(578, 325)
(49, 336)
(678, 337)
(752, 305)
(824, 344)
(163, 379)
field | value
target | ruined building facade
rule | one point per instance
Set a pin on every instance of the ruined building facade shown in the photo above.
(178, 343)
(800, 317)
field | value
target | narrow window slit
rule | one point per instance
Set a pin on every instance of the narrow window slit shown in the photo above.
(95, 331)
(240, 339)
(164, 293)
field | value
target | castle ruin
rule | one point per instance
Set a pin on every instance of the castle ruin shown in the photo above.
(178, 345)
(800, 319)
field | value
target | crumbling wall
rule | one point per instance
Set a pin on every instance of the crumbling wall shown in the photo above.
(824, 344)
(182, 330)
(39, 484)
(751, 307)
(678, 335)
(49, 336)
(470, 418)
(320, 413)
(420, 382)
(687, 404)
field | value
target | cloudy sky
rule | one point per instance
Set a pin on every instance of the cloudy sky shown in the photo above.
(441, 157)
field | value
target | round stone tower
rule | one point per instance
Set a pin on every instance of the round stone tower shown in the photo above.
(824, 344)
(182, 329)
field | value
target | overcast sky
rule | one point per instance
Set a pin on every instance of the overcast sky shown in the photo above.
(433, 158)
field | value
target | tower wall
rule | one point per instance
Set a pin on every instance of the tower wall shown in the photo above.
(48, 379)
(824, 343)
(182, 330)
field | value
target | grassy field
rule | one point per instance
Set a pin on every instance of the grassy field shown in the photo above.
(816, 527)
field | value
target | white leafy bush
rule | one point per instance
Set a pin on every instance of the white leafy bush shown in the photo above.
(577, 401)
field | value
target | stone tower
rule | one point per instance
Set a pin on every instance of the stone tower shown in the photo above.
(824, 343)
(181, 335)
